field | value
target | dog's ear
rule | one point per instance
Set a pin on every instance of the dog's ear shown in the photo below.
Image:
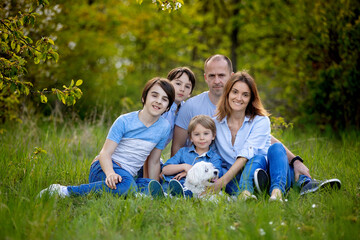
(192, 176)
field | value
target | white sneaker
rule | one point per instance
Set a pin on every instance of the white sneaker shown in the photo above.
(55, 189)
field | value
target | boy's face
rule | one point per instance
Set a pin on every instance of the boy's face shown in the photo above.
(201, 137)
(156, 102)
(182, 87)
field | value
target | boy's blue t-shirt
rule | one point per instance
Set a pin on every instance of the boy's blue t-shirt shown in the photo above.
(136, 141)
(188, 155)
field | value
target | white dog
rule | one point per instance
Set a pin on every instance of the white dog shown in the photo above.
(201, 175)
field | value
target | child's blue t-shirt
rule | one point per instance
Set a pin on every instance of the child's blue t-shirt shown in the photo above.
(136, 141)
(171, 116)
(190, 156)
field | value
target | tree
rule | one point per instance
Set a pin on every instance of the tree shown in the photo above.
(16, 49)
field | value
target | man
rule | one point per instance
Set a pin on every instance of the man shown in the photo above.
(217, 71)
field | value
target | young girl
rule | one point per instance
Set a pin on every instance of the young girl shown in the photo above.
(132, 139)
(201, 132)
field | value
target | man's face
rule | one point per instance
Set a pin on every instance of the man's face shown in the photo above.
(217, 73)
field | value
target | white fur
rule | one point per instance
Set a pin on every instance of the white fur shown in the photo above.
(201, 175)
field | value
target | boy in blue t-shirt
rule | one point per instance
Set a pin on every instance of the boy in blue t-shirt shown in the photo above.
(202, 133)
(133, 138)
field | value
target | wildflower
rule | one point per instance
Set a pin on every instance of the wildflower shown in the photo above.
(262, 232)
(270, 222)
(314, 205)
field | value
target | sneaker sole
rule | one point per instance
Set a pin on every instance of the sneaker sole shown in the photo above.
(260, 186)
(155, 189)
(326, 186)
(176, 189)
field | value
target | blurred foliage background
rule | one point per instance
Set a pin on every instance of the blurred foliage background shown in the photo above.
(303, 54)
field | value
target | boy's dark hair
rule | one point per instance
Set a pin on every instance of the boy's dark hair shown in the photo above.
(165, 84)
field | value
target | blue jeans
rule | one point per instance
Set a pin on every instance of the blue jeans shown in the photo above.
(244, 180)
(97, 182)
(281, 173)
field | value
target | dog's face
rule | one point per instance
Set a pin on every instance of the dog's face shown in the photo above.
(202, 174)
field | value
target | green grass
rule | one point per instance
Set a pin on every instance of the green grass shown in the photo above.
(70, 149)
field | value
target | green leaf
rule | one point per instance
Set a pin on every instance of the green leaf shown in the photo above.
(72, 83)
(79, 82)
(27, 91)
(55, 56)
(51, 41)
(13, 44)
(43, 98)
(36, 60)
(58, 95)
(17, 48)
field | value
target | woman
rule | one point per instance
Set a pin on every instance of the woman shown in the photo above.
(242, 135)
(132, 139)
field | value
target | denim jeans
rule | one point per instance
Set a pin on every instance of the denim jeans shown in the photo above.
(244, 180)
(97, 182)
(281, 173)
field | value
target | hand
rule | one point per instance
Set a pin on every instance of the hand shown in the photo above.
(180, 175)
(216, 187)
(300, 169)
(112, 179)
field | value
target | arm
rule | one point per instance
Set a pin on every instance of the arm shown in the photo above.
(145, 168)
(299, 167)
(229, 175)
(172, 169)
(179, 139)
(154, 164)
(106, 164)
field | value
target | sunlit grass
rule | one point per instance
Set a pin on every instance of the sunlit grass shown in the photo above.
(70, 150)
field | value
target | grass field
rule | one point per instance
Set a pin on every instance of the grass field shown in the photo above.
(26, 169)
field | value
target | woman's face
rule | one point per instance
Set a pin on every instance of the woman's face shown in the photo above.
(182, 86)
(239, 97)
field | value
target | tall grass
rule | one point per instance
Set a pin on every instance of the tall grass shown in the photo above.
(70, 149)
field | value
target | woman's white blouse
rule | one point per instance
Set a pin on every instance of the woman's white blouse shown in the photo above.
(253, 138)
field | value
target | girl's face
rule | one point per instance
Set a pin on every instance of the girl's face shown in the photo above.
(182, 87)
(239, 97)
(156, 101)
(201, 137)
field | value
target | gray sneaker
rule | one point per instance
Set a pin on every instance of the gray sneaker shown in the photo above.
(261, 180)
(315, 185)
(176, 189)
(155, 189)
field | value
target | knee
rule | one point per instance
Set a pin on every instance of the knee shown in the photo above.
(258, 161)
(276, 148)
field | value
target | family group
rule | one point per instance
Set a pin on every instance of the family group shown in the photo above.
(227, 125)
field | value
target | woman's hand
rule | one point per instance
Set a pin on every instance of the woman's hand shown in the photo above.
(112, 179)
(300, 169)
(216, 187)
